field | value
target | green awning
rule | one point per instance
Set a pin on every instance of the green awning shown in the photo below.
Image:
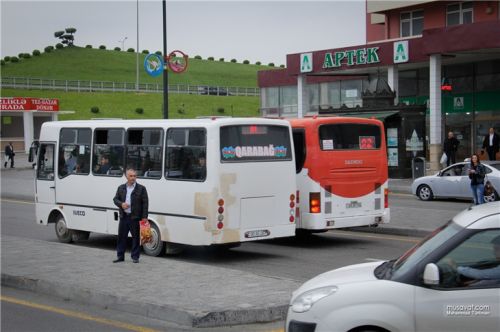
(377, 115)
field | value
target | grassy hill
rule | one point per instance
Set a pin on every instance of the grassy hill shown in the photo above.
(76, 63)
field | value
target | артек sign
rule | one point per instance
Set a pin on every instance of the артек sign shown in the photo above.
(29, 104)
(360, 56)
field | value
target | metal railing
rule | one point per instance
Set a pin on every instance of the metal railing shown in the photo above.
(106, 86)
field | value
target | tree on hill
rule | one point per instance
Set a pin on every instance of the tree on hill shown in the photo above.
(66, 36)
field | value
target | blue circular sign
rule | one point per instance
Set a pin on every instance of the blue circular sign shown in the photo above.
(153, 65)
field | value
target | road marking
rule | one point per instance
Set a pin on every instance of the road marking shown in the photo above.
(78, 315)
(374, 259)
(400, 194)
(16, 201)
(379, 236)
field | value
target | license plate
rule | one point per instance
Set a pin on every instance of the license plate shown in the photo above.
(257, 233)
(330, 223)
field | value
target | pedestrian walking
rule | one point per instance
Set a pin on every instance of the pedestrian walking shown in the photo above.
(476, 176)
(9, 155)
(491, 144)
(450, 148)
(132, 200)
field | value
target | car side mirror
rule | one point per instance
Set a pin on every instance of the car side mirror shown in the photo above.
(31, 156)
(431, 275)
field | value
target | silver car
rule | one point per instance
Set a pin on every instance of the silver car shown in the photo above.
(454, 182)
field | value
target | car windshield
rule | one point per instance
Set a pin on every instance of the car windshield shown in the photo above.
(413, 256)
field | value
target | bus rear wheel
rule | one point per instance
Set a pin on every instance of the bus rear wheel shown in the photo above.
(64, 234)
(156, 247)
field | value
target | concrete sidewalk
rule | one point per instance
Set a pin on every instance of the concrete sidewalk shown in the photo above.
(181, 292)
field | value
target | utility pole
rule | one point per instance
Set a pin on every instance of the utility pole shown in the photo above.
(137, 53)
(165, 71)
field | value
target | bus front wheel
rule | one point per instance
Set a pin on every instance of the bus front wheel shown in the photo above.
(64, 234)
(156, 246)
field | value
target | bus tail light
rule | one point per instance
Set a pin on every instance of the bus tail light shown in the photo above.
(292, 208)
(386, 198)
(298, 197)
(314, 203)
(220, 211)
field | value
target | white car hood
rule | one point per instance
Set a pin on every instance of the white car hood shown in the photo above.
(348, 274)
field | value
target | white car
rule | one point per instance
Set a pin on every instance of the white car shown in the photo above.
(453, 182)
(450, 281)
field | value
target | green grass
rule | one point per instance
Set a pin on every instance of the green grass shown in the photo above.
(76, 63)
(123, 105)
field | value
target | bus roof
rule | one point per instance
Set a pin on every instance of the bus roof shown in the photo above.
(156, 123)
(319, 120)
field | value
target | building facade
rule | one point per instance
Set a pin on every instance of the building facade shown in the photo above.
(441, 54)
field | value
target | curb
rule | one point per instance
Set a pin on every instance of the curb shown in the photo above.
(156, 311)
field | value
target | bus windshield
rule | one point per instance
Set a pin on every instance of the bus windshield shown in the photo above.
(349, 136)
(245, 143)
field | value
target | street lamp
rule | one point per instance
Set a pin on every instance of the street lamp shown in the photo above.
(123, 43)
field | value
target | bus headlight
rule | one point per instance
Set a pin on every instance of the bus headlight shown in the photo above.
(306, 300)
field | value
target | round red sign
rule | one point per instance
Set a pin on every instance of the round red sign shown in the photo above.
(177, 61)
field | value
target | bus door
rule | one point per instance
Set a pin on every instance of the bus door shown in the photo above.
(45, 189)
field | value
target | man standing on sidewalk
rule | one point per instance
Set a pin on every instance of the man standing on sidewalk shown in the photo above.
(132, 200)
(9, 155)
(491, 144)
(450, 148)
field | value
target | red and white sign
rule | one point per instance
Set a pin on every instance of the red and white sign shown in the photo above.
(29, 104)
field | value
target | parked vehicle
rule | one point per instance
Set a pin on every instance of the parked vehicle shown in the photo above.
(213, 91)
(453, 182)
(450, 281)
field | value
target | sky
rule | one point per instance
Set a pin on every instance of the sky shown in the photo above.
(263, 31)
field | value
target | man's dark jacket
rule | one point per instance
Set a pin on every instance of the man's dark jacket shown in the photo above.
(138, 201)
(451, 144)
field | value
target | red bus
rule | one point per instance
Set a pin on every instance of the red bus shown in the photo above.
(342, 173)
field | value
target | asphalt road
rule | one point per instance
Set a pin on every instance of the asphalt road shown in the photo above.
(293, 258)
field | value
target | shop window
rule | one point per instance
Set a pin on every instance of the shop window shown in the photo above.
(333, 89)
(108, 156)
(74, 151)
(412, 23)
(459, 13)
(350, 93)
(185, 155)
(288, 99)
(313, 97)
(144, 152)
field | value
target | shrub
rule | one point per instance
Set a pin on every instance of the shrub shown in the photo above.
(139, 110)
(14, 59)
(20, 55)
(48, 49)
(117, 49)
(88, 46)
(26, 55)
(180, 111)
(36, 53)
(258, 63)
(220, 110)
(282, 66)
(271, 64)
(210, 58)
(102, 47)
(197, 57)
(145, 51)
(131, 50)
(233, 60)
(94, 109)
(2, 62)
(59, 46)
(158, 53)
(221, 59)
(246, 62)
(7, 58)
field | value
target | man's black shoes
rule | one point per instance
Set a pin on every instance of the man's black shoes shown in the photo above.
(135, 260)
(118, 260)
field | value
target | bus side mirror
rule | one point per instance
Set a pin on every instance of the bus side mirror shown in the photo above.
(31, 156)
(431, 275)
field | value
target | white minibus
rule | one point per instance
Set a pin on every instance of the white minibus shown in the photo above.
(210, 181)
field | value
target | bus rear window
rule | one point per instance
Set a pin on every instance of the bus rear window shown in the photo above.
(254, 143)
(349, 136)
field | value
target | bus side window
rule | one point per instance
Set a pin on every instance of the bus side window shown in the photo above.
(299, 145)
(45, 166)
(74, 151)
(109, 149)
(185, 154)
(144, 151)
